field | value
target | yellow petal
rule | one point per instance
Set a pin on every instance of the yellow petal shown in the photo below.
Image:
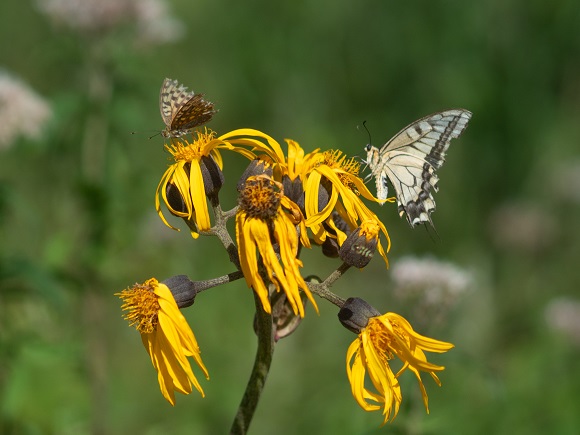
(273, 148)
(198, 197)
(249, 259)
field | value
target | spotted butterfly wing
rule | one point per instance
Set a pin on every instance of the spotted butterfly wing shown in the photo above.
(409, 160)
(181, 110)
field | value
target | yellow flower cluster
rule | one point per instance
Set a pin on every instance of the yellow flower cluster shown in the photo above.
(286, 202)
(318, 191)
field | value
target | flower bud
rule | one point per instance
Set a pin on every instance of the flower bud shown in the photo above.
(359, 247)
(256, 167)
(294, 190)
(355, 314)
(324, 193)
(183, 290)
(213, 177)
(330, 247)
(175, 200)
(340, 222)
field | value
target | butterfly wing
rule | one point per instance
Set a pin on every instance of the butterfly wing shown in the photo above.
(410, 160)
(182, 110)
(196, 111)
(171, 97)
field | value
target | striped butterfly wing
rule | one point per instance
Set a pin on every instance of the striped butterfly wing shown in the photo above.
(182, 110)
(409, 160)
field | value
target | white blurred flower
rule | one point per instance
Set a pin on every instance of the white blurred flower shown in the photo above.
(151, 18)
(522, 226)
(431, 287)
(22, 111)
(155, 24)
(435, 280)
(87, 15)
(563, 315)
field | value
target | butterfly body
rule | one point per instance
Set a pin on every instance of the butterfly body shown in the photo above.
(182, 110)
(409, 160)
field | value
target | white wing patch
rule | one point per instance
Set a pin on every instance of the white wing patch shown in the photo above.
(409, 160)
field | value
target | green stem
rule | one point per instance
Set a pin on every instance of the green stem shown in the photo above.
(323, 289)
(260, 370)
(210, 283)
(220, 230)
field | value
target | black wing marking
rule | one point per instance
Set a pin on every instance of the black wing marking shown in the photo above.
(411, 158)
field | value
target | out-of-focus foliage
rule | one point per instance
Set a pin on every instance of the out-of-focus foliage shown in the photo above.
(77, 221)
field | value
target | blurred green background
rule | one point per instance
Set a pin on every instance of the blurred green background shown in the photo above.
(77, 219)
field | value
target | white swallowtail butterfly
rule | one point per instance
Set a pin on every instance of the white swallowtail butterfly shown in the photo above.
(409, 160)
(181, 110)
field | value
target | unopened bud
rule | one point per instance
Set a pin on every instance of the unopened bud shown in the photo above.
(175, 200)
(256, 167)
(324, 193)
(359, 247)
(294, 190)
(213, 177)
(330, 247)
(183, 290)
(355, 314)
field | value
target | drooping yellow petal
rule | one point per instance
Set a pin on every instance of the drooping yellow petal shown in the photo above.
(181, 180)
(249, 258)
(383, 338)
(265, 218)
(198, 196)
(161, 190)
(170, 341)
(285, 231)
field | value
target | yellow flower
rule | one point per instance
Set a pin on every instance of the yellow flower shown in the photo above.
(325, 177)
(186, 176)
(299, 165)
(339, 177)
(195, 176)
(166, 336)
(383, 338)
(266, 218)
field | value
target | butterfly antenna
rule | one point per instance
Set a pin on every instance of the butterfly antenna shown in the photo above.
(364, 124)
(140, 132)
(368, 132)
